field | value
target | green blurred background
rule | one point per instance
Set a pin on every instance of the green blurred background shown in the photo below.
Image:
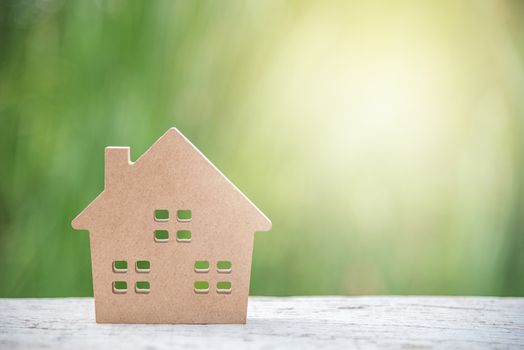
(385, 140)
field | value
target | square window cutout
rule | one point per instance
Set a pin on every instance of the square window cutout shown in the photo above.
(201, 266)
(142, 287)
(184, 215)
(119, 287)
(119, 266)
(143, 266)
(161, 236)
(183, 236)
(161, 215)
(201, 287)
(224, 266)
(223, 287)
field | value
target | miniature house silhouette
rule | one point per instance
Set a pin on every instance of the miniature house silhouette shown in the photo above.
(171, 238)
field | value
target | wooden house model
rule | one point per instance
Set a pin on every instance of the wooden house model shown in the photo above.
(171, 238)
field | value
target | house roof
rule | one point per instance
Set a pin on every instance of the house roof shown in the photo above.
(169, 150)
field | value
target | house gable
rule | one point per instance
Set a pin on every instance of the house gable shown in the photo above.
(172, 163)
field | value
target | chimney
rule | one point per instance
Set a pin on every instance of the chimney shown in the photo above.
(116, 165)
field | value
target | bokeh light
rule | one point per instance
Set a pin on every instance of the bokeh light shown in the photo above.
(383, 139)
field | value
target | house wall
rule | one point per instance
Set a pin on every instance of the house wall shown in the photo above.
(172, 297)
(127, 233)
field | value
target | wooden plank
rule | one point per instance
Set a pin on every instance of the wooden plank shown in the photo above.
(297, 322)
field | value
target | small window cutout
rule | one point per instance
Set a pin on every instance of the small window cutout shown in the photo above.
(224, 287)
(143, 266)
(119, 287)
(142, 287)
(201, 287)
(161, 215)
(224, 266)
(183, 236)
(201, 266)
(120, 266)
(161, 235)
(183, 215)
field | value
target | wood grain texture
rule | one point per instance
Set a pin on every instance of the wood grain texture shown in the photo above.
(297, 322)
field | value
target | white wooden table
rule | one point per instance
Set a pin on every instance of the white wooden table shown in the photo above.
(298, 322)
